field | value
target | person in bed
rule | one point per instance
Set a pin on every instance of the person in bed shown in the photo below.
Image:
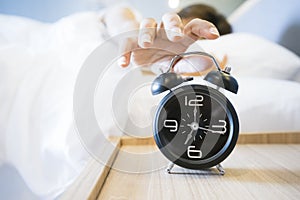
(159, 42)
(207, 13)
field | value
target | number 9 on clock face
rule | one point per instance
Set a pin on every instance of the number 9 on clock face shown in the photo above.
(196, 126)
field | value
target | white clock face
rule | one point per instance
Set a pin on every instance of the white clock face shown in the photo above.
(196, 127)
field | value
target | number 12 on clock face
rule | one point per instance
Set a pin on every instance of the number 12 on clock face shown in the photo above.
(198, 117)
(194, 102)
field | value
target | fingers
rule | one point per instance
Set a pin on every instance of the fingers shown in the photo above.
(198, 28)
(126, 47)
(147, 32)
(173, 26)
(124, 60)
(145, 39)
(170, 34)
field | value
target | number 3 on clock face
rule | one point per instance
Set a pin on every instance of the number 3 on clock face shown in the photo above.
(196, 126)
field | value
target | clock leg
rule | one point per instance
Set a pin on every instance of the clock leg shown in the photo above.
(218, 166)
(170, 167)
(220, 169)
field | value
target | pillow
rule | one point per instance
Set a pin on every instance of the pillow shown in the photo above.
(267, 105)
(252, 56)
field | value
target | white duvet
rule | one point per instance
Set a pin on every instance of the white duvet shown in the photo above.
(38, 67)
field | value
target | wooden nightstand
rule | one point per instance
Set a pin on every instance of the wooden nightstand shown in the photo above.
(262, 166)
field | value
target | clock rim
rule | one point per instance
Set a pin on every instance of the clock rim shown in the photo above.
(225, 150)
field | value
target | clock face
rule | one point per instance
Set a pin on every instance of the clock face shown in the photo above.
(196, 127)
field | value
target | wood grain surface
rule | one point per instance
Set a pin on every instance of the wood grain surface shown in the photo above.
(252, 172)
(262, 166)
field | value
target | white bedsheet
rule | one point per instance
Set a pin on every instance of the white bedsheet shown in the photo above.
(38, 67)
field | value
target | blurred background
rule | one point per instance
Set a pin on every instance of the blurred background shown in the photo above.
(275, 21)
(52, 10)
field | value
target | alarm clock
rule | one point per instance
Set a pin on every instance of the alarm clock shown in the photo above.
(195, 125)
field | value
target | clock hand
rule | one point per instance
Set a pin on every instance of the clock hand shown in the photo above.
(189, 136)
(210, 130)
(195, 113)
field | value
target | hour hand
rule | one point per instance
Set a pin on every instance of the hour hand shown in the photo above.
(195, 113)
(189, 136)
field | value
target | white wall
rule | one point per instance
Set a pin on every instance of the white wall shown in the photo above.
(47, 10)
(278, 21)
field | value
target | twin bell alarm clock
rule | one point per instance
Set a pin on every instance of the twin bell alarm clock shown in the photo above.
(195, 125)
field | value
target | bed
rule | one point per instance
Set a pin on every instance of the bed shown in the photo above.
(39, 63)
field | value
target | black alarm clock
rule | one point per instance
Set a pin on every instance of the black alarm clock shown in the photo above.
(195, 126)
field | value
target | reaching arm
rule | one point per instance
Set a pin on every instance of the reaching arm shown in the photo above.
(157, 43)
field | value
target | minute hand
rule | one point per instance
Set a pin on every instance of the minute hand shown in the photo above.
(210, 130)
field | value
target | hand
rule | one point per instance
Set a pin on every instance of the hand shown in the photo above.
(158, 45)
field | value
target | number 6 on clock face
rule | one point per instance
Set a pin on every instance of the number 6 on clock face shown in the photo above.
(194, 153)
